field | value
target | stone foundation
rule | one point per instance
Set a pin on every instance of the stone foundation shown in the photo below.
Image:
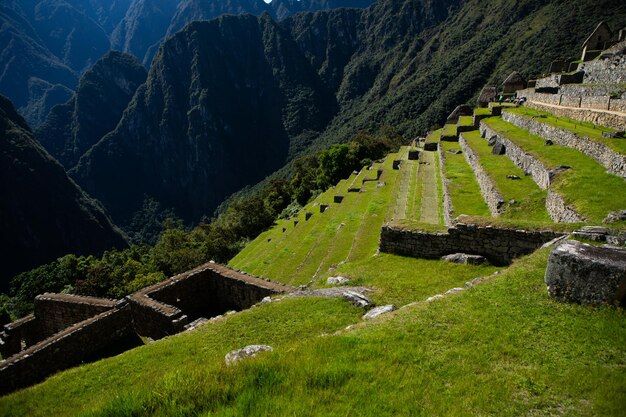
(499, 246)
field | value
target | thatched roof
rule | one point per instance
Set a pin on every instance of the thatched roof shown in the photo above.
(487, 94)
(514, 78)
(461, 110)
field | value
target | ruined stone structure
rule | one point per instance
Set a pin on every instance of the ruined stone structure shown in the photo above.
(597, 41)
(461, 110)
(487, 95)
(499, 246)
(67, 330)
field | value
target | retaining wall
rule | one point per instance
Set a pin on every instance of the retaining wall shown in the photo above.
(613, 161)
(500, 246)
(610, 70)
(488, 189)
(448, 212)
(559, 211)
(583, 90)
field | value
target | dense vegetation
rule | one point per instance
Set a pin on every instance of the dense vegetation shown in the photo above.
(122, 271)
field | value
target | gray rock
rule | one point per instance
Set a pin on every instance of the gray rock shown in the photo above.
(498, 149)
(337, 280)
(246, 352)
(356, 298)
(586, 274)
(377, 311)
(455, 151)
(454, 290)
(492, 141)
(548, 142)
(464, 258)
(615, 216)
(196, 323)
(513, 177)
(434, 297)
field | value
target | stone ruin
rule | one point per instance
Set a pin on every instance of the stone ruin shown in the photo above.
(513, 82)
(67, 330)
(596, 42)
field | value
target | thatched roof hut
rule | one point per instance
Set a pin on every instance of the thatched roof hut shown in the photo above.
(513, 82)
(487, 95)
(461, 110)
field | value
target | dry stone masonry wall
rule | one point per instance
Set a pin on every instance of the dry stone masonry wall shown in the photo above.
(448, 212)
(499, 246)
(613, 161)
(559, 211)
(611, 70)
(67, 330)
(490, 193)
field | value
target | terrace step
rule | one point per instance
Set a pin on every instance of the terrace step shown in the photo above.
(598, 149)
(577, 182)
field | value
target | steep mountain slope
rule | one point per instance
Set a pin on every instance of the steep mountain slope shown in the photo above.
(410, 70)
(43, 214)
(225, 103)
(95, 109)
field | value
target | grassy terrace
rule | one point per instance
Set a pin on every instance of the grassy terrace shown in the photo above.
(529, 198)
(462, 185)
(581, 129)
(449, 130)
(431, 210)
(466, 121)
(346, 231)
(502, 348)
(482, 111)
(587, 186)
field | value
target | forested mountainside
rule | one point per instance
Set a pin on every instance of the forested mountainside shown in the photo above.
(43, 213)
(224, 102)
(45, 45)
(95, 108)
(239, 97)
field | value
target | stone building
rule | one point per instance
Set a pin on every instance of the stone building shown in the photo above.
(461, 110)
(596, 42)
(513, 82)
(487, 95)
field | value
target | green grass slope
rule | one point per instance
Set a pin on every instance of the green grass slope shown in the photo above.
(499, 349)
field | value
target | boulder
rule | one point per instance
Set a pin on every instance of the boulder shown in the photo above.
(246, 352)
(378, 311)
(586, 274)
(464, 258)
(337, 280)
(357, 299)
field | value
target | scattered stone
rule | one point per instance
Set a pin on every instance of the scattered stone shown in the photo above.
(434, 297)
(454, 151)
(378, 311)
(498, 149)
(548, 142)
(246, 352)
(381, 184)
(195, 324)
(464, 258)
(474, 282)
(337, 280)
(266, 300)
(586, 274)
(513, 177)
(492, 141)
(615, 216)
(558, 170)
(454, 290)
(357, 299)
(511, 202)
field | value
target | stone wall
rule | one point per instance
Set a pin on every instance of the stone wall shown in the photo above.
(165, 308)
(106, 334)
(595, 102)
(530, 164)
(582, 90)
(613, 161)
(598, 117)
(488, 189)
(559, 211)
(610, 70)
(19, 334)
(500, 246)
(448, 212)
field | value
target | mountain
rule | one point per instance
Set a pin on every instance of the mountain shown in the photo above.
(102, 94)
(43, 213)
(284, 8)
(226, 102)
